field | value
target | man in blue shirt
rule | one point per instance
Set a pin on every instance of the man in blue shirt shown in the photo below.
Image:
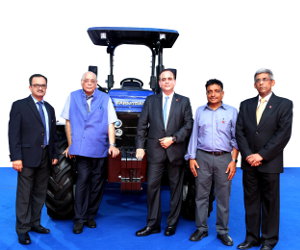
(212, 154)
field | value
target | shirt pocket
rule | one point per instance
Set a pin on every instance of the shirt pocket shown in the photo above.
(223, 125)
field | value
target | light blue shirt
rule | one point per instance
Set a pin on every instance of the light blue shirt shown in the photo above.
(112, 116)
(168, 104)
(46, 116)
(213, 130)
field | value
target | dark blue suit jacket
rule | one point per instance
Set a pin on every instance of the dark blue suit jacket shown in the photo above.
(26, 132)
(269, 137)
(151, 127)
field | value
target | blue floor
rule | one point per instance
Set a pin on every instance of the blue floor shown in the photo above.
(120, 215)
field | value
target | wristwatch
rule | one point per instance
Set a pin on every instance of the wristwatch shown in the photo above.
(174, 139)
(234, 160)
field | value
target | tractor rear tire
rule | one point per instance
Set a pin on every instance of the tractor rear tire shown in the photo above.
(60, 192)
(189, 192)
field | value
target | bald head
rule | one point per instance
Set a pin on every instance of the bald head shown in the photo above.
(89, 82)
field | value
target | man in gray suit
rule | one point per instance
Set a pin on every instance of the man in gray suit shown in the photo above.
(167, 120)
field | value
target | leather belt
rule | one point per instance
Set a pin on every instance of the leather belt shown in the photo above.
(215, 153)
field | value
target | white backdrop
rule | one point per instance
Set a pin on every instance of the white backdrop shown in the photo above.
(228, 40)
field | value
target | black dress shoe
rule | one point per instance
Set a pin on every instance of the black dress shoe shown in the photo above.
(24, 239)
(198, 235)
(91, 223)
(170, 230)
(40, 229)
(248, 244)
(77, 228)
(147, 231)
(225, 239)
(266, 247)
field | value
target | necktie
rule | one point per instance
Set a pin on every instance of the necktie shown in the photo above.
(260, 109)
(42, 115)
(165, 110)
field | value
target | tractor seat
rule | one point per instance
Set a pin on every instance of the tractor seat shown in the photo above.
(131, 83)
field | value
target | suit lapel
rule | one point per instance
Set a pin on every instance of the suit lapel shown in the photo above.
(252, 111)
(173, 108)
(158, 108)
(268, 111)
(47, 106)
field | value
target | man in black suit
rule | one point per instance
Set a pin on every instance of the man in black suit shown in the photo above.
(32, 137)
(166, 120)
(263, 130)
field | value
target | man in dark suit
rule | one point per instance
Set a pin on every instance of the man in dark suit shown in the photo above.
(166, 121)
(263, 130)
(32, 137)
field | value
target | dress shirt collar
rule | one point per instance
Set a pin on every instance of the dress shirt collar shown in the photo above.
(35, 100)
(267, 98)
(222, 106)
(170, 96)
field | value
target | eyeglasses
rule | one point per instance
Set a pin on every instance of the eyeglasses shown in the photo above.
(89, 80)
(167, 78)
(210, 92)
(43, 86)
(258, 80)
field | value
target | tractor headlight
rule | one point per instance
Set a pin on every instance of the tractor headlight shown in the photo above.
(119, 132)
(118, 124)
(103, 35)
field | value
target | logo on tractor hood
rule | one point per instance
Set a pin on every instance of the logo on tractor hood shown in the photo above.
(130, 103)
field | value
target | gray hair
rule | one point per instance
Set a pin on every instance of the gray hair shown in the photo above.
(263, 70)
(88, 72)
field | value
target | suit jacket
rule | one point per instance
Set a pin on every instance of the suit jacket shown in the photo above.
(269, 137)
(26, 132)
(151, 124)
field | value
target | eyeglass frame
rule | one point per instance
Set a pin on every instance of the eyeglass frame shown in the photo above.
(265, 79)
(36, 85)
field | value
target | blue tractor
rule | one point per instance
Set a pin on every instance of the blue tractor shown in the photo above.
(128, 99)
